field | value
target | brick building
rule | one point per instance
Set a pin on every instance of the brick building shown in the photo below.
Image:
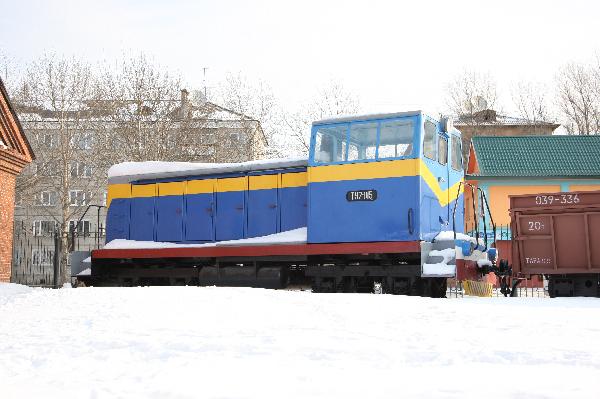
(489, 122)
(15, 154)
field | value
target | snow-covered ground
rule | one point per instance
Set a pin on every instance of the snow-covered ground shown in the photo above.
(190, 342)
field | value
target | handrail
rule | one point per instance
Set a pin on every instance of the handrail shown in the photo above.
(487, 206)
(462, 183)
(484, 201)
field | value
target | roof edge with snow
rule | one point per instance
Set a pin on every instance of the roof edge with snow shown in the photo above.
(128, 172)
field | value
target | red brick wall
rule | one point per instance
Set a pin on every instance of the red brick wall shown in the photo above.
(7, 207)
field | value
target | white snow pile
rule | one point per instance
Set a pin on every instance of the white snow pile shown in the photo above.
(191, 342)
(9, 291)
(441, 269)
(130, 171)
(484, 262)
(448, 235)
(297, 236)
(120, 243)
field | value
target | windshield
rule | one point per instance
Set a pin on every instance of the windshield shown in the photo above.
(355, 141)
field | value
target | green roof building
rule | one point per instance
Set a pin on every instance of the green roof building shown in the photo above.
(513, 165)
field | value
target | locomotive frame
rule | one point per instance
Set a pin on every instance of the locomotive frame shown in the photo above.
(404, 174)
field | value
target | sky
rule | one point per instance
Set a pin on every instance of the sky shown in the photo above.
(393, 55)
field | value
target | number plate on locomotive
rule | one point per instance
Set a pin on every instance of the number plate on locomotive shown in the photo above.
(361, 195)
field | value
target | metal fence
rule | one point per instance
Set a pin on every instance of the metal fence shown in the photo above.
(456, 290)
(36, 256)
(503, 232)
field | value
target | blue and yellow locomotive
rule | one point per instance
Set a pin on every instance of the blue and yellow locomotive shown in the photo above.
(364, 211)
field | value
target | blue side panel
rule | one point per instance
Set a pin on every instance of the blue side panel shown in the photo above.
(262, 212)
(432, 211)
(199, 217)
(231, 217)
(294, 201)
(332, 218)
(142, 219)
(169, 218)
(117, 219)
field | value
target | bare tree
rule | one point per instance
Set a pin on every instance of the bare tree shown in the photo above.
(470, 93)
(255, 104)
(54, 107)
(10, 72)
(330, 101)
(145, 108)
(578, 87)
(531, 102)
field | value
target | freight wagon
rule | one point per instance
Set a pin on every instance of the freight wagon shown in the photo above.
(372, 208)
(558, 235)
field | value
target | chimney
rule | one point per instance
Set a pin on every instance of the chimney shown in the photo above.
(185, 107)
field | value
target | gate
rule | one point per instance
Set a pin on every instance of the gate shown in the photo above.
(35, 257)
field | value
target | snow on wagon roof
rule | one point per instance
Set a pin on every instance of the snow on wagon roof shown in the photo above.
(127, 172)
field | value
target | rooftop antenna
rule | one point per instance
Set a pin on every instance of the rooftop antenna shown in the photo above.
(204, 71)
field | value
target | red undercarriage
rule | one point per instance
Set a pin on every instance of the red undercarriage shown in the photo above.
(464, 269)
(260, 250)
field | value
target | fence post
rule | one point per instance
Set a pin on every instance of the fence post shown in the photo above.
(56, 260)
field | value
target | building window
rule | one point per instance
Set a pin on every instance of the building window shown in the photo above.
(46, 198)
(83, 228)
(80, 169)
(46, 140)
(429, 140)
(48, 168)
(79, 198)
(207, 137)
(42, 257)
(104, 198)
(44, 228)
(82, 141)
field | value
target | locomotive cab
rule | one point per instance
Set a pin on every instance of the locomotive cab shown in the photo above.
(391, 177)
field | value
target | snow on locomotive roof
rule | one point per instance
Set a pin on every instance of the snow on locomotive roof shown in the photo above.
(127, 172)
(352, 118)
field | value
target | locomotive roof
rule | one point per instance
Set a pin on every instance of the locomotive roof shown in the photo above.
(353, 118)
(128, 172)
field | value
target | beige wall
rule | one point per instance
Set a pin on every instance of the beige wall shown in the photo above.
(500, 204)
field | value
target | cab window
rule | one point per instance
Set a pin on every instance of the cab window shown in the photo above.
(363, 141)
(442, 150)
(456, 153)
(429, 140)
(395, 139)
(330, 144)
